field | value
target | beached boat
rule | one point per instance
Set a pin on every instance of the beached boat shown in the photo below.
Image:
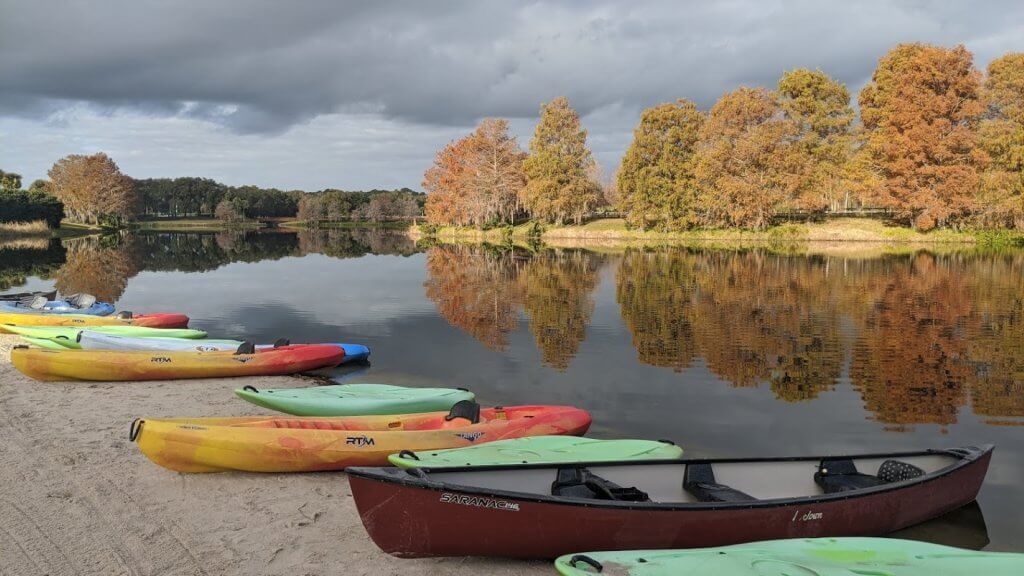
(19, 296)
(810, 556)
(294, 444)
(540, 450)
(93, 340)
(116, 365)
(156, 320)
(44, 306)
(63, 337)
(355, 399)
(545, 511)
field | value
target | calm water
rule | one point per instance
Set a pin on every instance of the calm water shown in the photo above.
(739, 353)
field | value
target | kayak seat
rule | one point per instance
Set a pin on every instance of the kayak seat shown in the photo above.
(896, 471)
(699, 481)
(841, 475)
(582, 483)
(466, 409)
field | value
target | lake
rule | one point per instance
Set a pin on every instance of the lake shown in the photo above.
(727, 352)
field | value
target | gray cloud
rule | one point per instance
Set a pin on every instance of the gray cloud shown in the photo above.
(264, 67)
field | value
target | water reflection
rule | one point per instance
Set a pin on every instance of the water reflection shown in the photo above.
(921, 338)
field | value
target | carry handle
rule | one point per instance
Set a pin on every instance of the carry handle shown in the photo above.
(250, 389)
(586, 560)
(407, 454)
(135, 429)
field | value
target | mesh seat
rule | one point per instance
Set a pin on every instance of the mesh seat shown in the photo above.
(699, 481)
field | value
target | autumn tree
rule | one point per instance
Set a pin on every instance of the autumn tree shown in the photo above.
(558, 186)
(227, 211)
(747, 164)
(476, 180)
(656, 183)
(93, 189)
(920, 113)
(820, 108)
(1002, 136)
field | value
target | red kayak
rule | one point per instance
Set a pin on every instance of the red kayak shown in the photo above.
(544, 511)
(160, 320)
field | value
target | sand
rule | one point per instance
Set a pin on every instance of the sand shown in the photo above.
(77, 498)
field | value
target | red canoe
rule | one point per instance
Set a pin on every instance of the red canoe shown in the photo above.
(544, 511)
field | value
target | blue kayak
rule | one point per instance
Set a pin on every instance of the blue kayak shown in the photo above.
(58, 307)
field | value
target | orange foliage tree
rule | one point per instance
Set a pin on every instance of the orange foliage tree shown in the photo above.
(1002, 136)
(920, 113)
(476, 180)
(93, 189)
(747, 165)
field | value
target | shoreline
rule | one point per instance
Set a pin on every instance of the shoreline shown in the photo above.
(79, 498)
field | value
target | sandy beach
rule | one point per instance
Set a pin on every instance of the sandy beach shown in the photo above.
(79, 499)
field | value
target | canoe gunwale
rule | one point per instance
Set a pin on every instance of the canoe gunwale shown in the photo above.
(421, 479)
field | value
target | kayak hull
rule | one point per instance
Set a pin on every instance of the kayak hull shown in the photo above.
(269, 444)
(95, 340)
(58, 307)
(112, 365)
(67, 337)
(159, 320)
(822, 556)
(457, 518)
(540, 450)
(355, 399)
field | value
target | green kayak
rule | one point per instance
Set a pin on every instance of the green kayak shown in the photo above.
(355, 399)
(67, 337)
(540, 450)
(813, 556)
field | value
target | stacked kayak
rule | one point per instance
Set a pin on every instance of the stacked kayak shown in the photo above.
(19, 296)
(354, 399)
(158, 320)
(58, 307)
(540, 450)
(115, 365)
(58, 337)
(282, 444)
(812, 556)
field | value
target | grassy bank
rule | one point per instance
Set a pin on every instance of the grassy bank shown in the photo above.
(840, 230)
(343, 225)
(196, 225)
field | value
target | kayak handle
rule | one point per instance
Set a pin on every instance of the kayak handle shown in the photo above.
(669, 442)
(463, 389)
(135, 429)
(408, 454)
(586, 560)
(250, 388)
(417, 472)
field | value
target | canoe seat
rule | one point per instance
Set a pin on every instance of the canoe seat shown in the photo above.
(582, 483)
(895, 471)
(841, 475)
(699, 481)
(465, 410)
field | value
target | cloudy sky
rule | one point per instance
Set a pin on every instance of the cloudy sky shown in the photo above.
(314, 94)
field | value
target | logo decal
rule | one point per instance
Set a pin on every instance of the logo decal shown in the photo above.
(191, 427)
(471, 436)
(359, 441)
(242, 359)
(160, 360)
(806, 517)
(479, 502)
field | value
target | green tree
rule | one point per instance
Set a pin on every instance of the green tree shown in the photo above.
(820, 108)
(1002, 136)
(655, 182)
(10, 181)
(558, 186)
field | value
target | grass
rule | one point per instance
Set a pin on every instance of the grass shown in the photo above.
(196, 224)
(611, 231)
(344, 224)
(37, 228)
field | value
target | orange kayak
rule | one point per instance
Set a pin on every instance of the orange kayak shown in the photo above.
(121, 365)
(158, 320)
(290, 444)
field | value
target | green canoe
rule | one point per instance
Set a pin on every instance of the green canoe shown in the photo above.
(813, 556)
(355, 399)
(65, 337)
(540, 450)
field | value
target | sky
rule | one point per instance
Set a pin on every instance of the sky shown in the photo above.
(311, 94)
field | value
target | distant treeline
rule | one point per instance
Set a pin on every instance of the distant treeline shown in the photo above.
(18, 206)
(936, 143)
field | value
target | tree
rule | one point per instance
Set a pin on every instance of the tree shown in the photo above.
(558, 186)
(93, 189)
(820, 108)
(10, 181)
(1002, 136)
(655, 182)
(747, 164)
(920, 113)
(40, 185)
(228, 211)
(476, 180)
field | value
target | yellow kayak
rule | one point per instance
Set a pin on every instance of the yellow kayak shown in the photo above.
(145, 320)
(307, 444)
